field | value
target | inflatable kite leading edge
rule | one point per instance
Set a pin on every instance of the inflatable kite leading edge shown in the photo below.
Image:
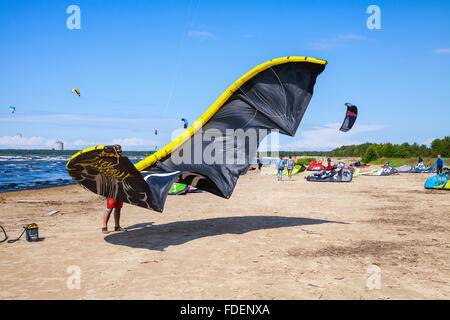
(439, 181)
(272, 96)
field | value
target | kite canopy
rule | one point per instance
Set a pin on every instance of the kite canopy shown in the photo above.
(315, 166)
(385, 170)
(76, 90)
(405, 169)
(12, 109)
(298, 169)
(178, 188)
(350, 117)
(356, 171)
(271, 97)
(439, 181)
(420, 168)
(343, 175)
(358, 164)
(185, 123)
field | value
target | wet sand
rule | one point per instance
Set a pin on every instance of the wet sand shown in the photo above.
(271, 240)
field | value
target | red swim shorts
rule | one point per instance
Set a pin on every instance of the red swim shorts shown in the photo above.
(111, 203)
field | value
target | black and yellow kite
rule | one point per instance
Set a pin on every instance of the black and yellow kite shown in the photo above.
(272, 96)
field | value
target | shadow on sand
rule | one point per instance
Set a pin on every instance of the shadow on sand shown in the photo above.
(159, 237)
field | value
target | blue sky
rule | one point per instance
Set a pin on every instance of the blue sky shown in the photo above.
(143, 65)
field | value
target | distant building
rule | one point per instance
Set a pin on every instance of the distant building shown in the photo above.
(59, 145)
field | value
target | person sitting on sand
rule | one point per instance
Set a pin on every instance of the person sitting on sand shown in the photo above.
(113, 204)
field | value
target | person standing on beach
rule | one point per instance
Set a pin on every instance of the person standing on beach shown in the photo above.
(439, 164)
(260, 163)
(112, 204)
(280, 167)
(290, 167)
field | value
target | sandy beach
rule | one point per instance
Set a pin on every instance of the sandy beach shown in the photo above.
(271, 240)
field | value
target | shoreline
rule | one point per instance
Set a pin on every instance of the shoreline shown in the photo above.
(39, 188)
(26, 191)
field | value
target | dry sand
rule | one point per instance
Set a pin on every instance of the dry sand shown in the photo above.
(271, 240)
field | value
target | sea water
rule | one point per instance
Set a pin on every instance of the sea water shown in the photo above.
(35, 172)
(23, 172)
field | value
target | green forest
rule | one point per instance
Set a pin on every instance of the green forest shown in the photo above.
(372, 151)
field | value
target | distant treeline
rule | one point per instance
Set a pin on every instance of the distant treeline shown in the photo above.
(373, 151)
(368, 152)
(55, 153)
(298, 153)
